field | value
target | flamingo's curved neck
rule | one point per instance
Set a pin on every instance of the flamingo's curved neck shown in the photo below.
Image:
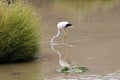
(52, 40)
(57, 35)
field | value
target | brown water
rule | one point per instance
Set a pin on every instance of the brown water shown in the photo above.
(96, 37)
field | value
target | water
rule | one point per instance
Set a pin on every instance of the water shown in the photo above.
(96, 37)
(21, 71)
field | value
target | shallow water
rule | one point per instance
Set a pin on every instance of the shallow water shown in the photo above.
(96, 37)
(96, 40)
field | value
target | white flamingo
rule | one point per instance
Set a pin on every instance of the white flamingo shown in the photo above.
(61, 27)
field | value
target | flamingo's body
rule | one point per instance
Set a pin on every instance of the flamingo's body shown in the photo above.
(61, 27)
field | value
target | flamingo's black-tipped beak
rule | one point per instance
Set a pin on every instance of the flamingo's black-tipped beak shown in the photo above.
(69, 25)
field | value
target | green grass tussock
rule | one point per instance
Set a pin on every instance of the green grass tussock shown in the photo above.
(19, 32)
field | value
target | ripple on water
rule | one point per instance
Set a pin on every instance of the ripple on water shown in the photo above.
(109, 76)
